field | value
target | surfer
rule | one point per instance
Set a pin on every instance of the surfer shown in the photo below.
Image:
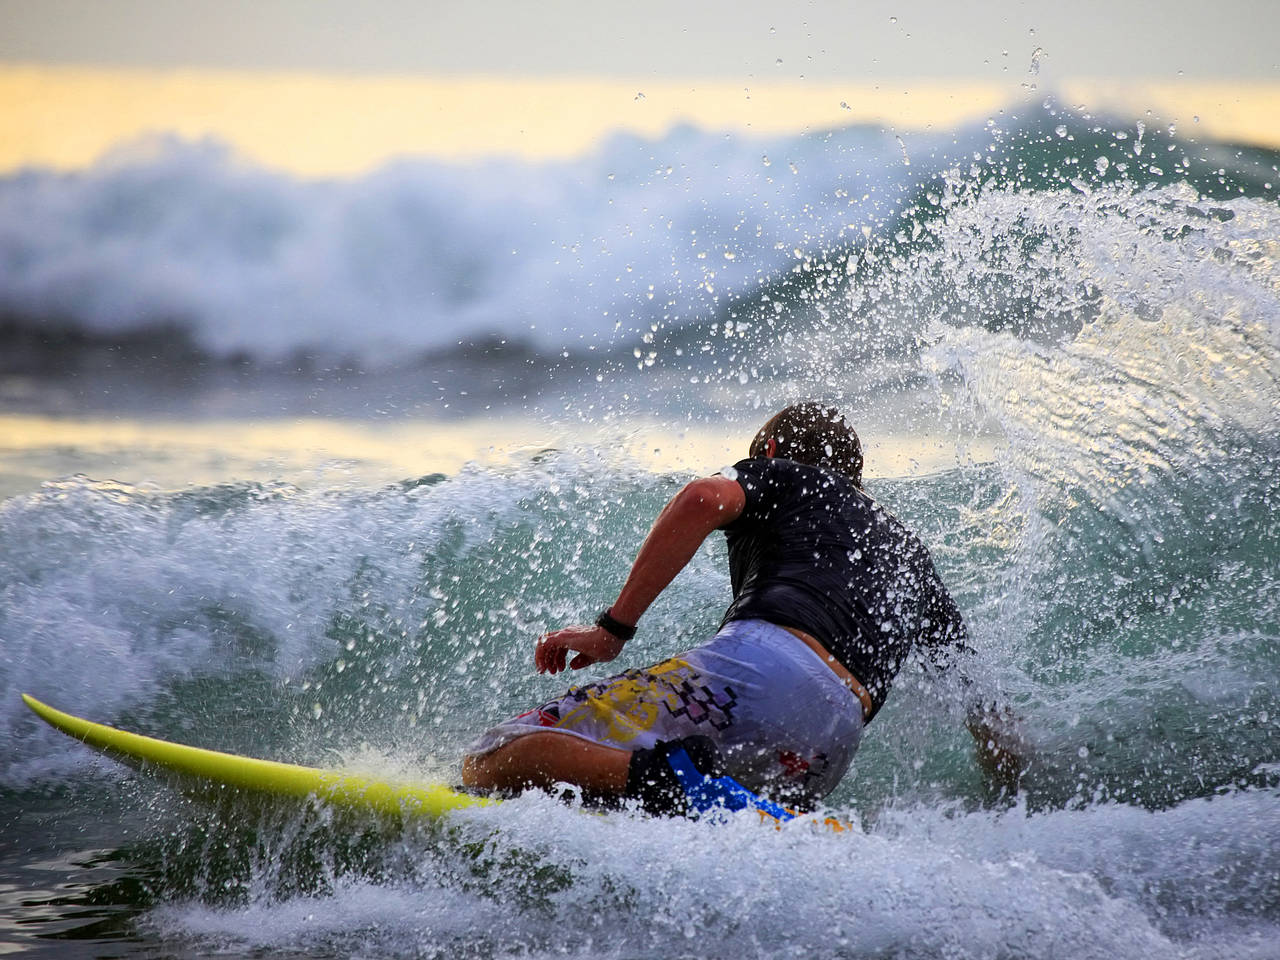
(831, 593)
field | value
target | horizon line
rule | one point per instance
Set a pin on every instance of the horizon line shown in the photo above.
(340, 124)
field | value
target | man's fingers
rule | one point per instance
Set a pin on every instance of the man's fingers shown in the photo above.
(551, 654)
(555, 656)
(544, 654)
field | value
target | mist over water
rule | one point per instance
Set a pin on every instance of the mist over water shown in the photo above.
(1113, 334)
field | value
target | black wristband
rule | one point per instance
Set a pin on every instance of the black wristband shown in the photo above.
(615, 627)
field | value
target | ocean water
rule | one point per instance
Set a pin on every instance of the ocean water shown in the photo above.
(300, 469)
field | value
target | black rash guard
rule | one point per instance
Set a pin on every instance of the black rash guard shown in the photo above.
(812, 551)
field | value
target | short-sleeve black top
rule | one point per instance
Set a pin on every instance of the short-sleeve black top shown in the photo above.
(812, 551)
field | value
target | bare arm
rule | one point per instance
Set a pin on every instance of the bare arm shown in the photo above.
(1003, 753)
(701, 507)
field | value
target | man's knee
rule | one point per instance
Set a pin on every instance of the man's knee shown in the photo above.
(475, 770)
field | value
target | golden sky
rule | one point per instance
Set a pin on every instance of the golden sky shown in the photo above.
(177, 453)
(318, 124)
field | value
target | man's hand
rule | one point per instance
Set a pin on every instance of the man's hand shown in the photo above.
(1003, 753)
(699, 507)
(593, 645)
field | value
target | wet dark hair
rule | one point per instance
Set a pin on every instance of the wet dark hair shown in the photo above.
(815, 434)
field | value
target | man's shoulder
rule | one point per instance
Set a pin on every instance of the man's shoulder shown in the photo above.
(893, 530)
(773, 483)
(780, 469)
(909, 546)
(754, 472)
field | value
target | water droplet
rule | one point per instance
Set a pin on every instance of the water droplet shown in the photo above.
(1102, 163)
(845, 105)
(316, 711)
(1060, 129)
(765, 160)
(778, 62)
(893, 19)
(639, 95)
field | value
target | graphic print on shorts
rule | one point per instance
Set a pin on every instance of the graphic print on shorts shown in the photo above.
(622, 707)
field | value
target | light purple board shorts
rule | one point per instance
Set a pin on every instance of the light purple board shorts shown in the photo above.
(784, 722)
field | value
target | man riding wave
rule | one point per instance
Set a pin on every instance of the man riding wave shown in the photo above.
(831, 593)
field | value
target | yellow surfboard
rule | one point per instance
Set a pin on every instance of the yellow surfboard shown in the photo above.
(348, 791)
(345, 790)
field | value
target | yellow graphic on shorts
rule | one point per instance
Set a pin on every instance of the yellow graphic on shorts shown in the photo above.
(619, 709)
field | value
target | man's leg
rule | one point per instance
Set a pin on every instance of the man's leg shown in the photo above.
(547, 757)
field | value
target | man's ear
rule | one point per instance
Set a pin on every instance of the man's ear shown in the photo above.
(771, 448)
